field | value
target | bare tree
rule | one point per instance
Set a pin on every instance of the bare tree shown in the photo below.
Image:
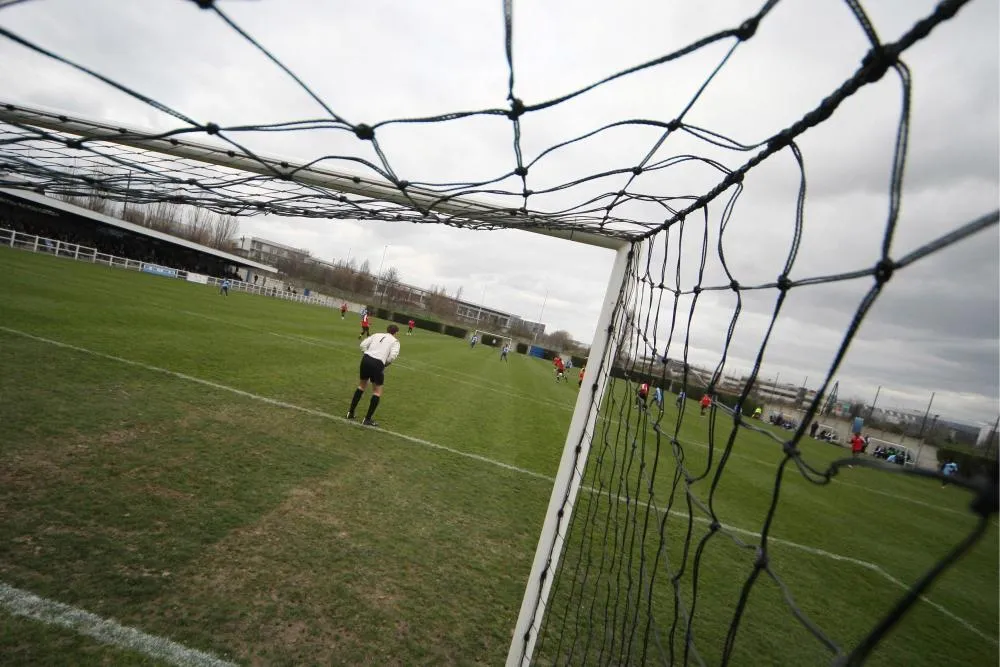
(199, 226)
(224, 231)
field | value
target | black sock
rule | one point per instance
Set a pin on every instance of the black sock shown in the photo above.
(358, 393)
(371, 407)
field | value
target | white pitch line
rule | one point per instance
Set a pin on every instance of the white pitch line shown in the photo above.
(774, 464)
(307, 340)
(104, 630)
(477, 457)
(823, 553)
(408, 365)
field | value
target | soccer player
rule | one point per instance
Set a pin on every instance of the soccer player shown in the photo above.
(224, 290)
(949, 469)
(681, 398)
(857, 445)
(812, 429)
(643, 395)
(658, 397)
(379, 350)
(343, 310)
(503, 351)
(580, 382)
(473, 341)
(410, 325)
(560, 368)
(365, 324)
(706, 403)
(757, 412)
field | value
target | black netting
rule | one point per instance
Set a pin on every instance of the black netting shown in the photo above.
(647, 549)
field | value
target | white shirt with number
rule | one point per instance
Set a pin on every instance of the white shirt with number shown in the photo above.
(383, 347)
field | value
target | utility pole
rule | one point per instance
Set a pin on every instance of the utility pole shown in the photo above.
(378, 276)
(540, 313)
(872, 408)
(920, 436)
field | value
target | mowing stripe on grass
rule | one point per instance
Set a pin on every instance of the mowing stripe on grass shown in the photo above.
(104, 630)
(483, 459)
(408, 365)
(316, 342)
(275, 402)
(877, 569)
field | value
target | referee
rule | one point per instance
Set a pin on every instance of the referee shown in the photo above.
(380, 350)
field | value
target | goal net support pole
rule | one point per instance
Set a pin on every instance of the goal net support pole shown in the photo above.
(569, 476)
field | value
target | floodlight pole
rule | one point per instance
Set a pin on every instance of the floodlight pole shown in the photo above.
(568, 479)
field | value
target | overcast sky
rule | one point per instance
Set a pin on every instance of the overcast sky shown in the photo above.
(934, 329)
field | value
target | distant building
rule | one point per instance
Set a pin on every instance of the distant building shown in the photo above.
(270, 252)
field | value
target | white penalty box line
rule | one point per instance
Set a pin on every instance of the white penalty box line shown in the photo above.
(106, 631)
(872, 567)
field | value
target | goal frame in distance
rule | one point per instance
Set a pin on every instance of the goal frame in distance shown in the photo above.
(911, 456)
(499, 337)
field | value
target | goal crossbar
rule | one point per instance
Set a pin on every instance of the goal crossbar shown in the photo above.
(424, 201)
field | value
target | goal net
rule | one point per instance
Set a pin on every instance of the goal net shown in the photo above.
(493, 339)
(656, 546)
(884, 449)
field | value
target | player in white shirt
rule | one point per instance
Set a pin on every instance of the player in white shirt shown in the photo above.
(379, 350)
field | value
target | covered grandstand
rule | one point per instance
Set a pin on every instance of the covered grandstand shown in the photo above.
(32, 213)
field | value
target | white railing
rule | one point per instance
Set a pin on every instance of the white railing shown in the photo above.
(41, 244)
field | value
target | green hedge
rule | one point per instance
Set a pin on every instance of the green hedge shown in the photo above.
(457, 332)
(970, 463)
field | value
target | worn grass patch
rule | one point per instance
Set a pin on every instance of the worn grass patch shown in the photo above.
(269, 535)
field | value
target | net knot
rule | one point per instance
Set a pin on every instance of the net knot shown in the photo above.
(876, 63)
(521, 171)
(204, 4)
(191, 181)
(74, 143)
(402, 185)
(674, 125)
(211, 128)
(516, 109)
(747, 29)
(636, 171)
(697, 290)
(734, 285)
(528, 193)
(790, 448)
(356, 179)
(364, 132)
(784, 284)
(761, 563)
(715, 526)
(883, 271)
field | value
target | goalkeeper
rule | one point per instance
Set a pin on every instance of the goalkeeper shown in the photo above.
(380, 350)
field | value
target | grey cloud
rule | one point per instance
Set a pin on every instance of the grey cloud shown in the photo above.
(941, 314)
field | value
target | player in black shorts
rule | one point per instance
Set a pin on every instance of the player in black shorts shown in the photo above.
(379, 350)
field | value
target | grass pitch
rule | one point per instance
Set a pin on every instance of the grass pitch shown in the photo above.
(271, 534)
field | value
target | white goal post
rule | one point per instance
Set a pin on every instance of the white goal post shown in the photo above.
(499, 337)
(909, 456)
(603, 349)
